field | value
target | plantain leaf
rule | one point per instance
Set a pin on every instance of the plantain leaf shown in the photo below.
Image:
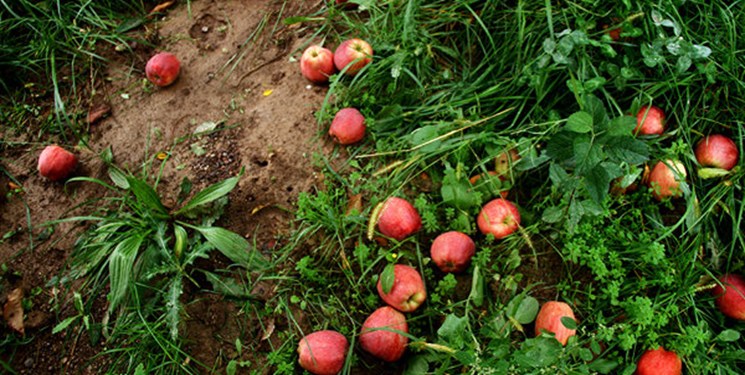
(147, 196)
(210, 194)
(173, 307)
(121, 262)
(233, 246)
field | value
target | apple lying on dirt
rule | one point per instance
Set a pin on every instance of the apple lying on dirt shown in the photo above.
(452, 251)
(731, 296)
(650, 120)
(348, 126)
(398, 219)
(162, 69)
(407, 292)
(717, 151)
(323, 352)
(499, 217)
(352, 54)
(549, 320)
(659, 362)
(317, 64)
(378, 335)
(56, 163)
(665, 178)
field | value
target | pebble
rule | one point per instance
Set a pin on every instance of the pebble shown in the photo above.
(28, 362)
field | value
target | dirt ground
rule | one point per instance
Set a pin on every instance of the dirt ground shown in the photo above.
(239, 71)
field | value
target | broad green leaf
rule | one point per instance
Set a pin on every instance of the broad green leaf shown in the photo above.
(527, 310)
(121, 262)
(626, 149)
(233, 246)
(147, 196)
(603, 366)
(728, 335)
(456, 191)
(426, 134)
(210, 194)
(118, 178)
(560, 147)
(553, 214)
(387, 278)
(173, 306)
(232, 367)
(140, 370)
(417, 365)
(453, 329)
(588, 155)
(597, 183)
(541, 352)
(580, 122)
(594, 106)
(568, 322)
(622, 126)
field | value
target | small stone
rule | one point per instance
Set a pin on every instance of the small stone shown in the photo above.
(28, 362)
(205, 29)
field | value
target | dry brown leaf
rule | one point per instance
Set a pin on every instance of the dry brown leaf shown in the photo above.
(98, 113)
(354, 205)
(162, 6)
(13, 310)
(269, 330)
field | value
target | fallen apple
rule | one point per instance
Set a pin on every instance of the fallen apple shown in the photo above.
(380, 334)
(650, 120)
(352, 54)
(407, 292)
(659, 362)
(398, 219)
(731, 296)
(499, 218)
(323, 352)
(549, 320)
(452, 251)
(665, 178)
(56, 163)
(717, 151)
(348, 126)
(162, 69)
(317, 64)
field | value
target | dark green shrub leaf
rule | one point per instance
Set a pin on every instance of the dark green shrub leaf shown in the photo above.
(580, 122)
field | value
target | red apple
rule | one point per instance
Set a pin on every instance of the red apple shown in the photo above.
(452, 251)
(317, 64)
(717, 151)
(323, 352)
(659, 362)
(356, 52)
(162, 69)
(664, 180)
(498, 217)
(348, 126)
(56, 163)
(549, 320)
(398, 219)
(378, 337)
(650, 120)
(731, 297)
(408, 291)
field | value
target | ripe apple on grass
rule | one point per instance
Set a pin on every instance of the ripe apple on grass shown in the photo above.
(549, 320)
(650, 120)
(56, 163)
(323, 352)
(452, 251)
(731, 296)
(317, 64)
(659, 362)
(379, 335)
(398, 219)
(352, 54)
(407, 290)
(665, 178)
(499, 218)
(717, 151)
(162, 69)
(348, 126)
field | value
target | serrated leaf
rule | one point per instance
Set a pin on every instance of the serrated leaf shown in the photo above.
(627, 149)
(233, 246)
(597, 183)
(387, 278)
(595, 107)
(622, 126)
(121, 262)
(587, 155)
(210, 194)
(579, 122)
(553, 214)
(559, 147)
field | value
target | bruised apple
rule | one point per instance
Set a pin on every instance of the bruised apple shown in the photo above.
(731, 296)
(379, 336)
(348, 126)
(499, 218)
(323, 352)
(352, 54)
(398, 219)
(650, 120)
(56, 163)
(717, 151)
(665, 178)
(452, 251)
(407, 292)
(317, 64)
(549, 320)
(659, 362)
(162, 69)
